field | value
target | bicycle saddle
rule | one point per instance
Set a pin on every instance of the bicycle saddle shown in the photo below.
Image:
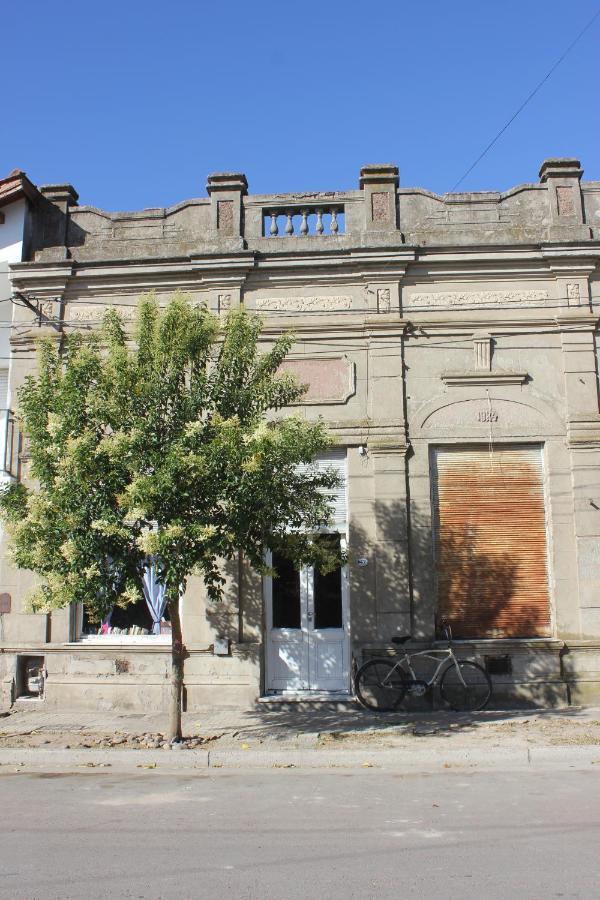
(401, 640)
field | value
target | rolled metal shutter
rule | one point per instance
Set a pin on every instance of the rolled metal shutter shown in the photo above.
(490, 536)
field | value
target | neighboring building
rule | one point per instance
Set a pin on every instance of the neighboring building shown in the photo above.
(451, 344)
(18, 198)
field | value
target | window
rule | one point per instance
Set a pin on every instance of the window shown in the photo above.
(286, 594)
(131, 620)
(328, 592)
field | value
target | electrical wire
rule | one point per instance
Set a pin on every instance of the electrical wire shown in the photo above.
(357, 310)
(528, 98)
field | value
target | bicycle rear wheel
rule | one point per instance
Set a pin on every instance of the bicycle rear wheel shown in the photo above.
(471, 695)
(379, 685)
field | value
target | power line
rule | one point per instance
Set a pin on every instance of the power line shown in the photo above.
(530, 97)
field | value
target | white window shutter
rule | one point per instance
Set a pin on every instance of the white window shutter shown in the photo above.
(3, 388)
(336, 460)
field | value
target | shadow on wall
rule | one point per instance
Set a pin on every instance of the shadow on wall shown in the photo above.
(237, 619)
(53, 229)
(497, 595)
(481, 594)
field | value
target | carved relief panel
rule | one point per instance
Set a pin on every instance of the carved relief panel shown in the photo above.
(329, 380)
(482, 416)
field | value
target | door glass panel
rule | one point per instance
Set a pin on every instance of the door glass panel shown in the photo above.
(286, 594)
(328, 594)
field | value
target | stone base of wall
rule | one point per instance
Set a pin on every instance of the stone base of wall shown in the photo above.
(581, 666)
(136, 679)
(542, 674)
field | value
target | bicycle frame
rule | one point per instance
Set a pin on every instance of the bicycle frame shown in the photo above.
(404, 664)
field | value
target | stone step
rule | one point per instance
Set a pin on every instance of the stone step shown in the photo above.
(304, 702)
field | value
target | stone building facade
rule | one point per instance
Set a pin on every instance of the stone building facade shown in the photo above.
(450, 342)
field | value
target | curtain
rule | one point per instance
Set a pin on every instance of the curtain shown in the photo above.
(154, 594)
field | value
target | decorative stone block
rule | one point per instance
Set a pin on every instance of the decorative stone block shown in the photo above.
(565, 201)
(224, 303)
(477, 298)
(303, 304)
(85, 313)
(482, 351)
(380, 208)
(329, 380)
(225, 216)
(384, 300)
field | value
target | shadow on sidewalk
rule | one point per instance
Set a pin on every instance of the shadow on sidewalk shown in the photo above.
(271, 724)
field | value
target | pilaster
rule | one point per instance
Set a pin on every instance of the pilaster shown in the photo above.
(563, 176)
(53, 242)
(379, 183)
(385, 404)
(226, 190)
(572, 267)
(392, 570)
(583, 437)
(581, 382)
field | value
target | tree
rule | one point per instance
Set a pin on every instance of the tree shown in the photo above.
(163, 450)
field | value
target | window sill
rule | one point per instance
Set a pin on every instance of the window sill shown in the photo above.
(121, 639)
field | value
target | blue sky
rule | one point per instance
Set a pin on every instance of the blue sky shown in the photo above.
(134, 102)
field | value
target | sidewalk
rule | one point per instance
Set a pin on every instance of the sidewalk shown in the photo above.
(296, 737)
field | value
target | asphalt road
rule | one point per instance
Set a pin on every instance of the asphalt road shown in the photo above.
(293, 833)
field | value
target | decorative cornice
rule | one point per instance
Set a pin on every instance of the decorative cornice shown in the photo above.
(381, 438)
(354, 326)
(500, 324)
(381, 447)
(584, 251)
(574, 320)
(480, 377)
(41, 279)
(583, 431)
(240, 262)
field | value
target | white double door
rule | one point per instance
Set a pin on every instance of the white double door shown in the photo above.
(307, 629)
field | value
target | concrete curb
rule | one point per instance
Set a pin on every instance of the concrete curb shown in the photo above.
(411, 762)
(130, 759)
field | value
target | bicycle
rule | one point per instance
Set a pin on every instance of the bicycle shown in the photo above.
(381, 684)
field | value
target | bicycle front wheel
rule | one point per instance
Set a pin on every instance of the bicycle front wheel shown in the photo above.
(465, 686)
(379, 685)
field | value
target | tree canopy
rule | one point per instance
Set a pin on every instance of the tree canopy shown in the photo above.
(163, 446)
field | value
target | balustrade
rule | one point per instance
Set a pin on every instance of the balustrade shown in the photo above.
(301, 221)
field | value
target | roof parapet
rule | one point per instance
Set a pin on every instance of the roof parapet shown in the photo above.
(379, 183)
(560, 167)
(379, 173)
(60, 193)
(227, 181)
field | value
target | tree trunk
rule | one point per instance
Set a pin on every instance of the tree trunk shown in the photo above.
(177, 658)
